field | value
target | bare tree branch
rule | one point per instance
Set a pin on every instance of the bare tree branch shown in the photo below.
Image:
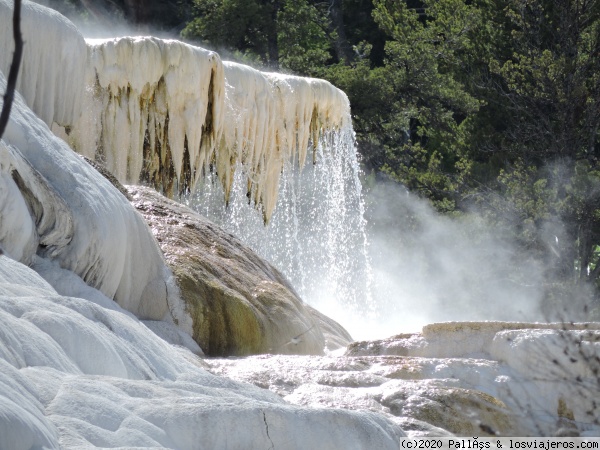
(13, 73)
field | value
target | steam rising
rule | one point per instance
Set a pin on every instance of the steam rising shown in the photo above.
(428, 267)
(404, 267)
(432, 268)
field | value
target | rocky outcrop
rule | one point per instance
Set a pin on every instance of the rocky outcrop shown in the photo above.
(240, 304)
(406, 390)
(461, 378)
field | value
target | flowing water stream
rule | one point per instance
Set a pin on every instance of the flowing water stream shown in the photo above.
(317, 235)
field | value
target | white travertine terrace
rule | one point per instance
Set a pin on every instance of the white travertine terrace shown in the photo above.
(162, 111)
(164, 92)
(77, 370)
(272, 118)
(54, 94)
(56, 207)
(138, 103)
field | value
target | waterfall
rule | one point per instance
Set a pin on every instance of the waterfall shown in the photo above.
(316, 235)
(244, 148)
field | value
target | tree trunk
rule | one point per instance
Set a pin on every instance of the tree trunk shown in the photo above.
(13, 72)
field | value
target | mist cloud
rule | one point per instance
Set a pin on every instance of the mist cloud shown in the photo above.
(428, 267)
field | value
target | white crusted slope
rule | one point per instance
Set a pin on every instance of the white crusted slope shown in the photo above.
(546, 373)
(52, 74)
(76, 375)
(56, 205)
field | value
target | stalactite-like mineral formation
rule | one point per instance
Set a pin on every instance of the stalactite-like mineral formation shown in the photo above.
(165, 113)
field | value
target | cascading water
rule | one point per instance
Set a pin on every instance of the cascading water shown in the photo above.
(316, 235)
(183, 113)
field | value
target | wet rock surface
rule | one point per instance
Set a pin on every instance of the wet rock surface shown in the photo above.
(239, 303)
